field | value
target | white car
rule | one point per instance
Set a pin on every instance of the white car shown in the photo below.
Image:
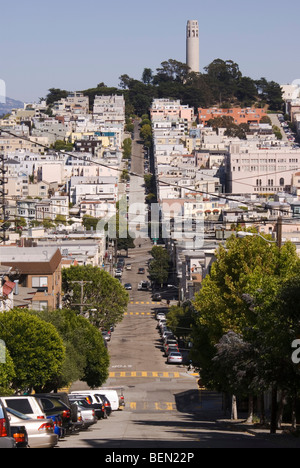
(40, 432)
(160, 316)
(175, 357)
(28, 405)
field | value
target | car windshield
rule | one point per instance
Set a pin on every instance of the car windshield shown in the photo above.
(17, 414)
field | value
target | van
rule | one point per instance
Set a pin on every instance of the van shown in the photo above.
(111, 395)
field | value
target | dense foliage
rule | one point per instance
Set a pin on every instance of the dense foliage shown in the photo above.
(221, 84)
(104, 300)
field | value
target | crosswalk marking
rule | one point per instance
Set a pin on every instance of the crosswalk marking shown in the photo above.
(151, 406)
(157, 374)
(138, 313)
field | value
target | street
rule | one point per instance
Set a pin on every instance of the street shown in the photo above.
(164, 409)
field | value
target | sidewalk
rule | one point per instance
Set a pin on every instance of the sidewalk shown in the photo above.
(283, 436)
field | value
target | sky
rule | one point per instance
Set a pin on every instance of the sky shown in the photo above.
(75, 45)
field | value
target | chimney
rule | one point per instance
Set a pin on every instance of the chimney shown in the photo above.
(16, 287)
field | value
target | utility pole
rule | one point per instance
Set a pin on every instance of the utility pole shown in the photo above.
(273, 425)
(2, 196)
(82, 283)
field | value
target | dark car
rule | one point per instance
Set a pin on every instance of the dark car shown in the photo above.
(128, 286)
(141, 271)
(106, 404)
(156, 297)
(83, 402)
(56, 409)
(6, 440)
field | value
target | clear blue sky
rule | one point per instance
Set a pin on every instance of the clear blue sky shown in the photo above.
(74, 45)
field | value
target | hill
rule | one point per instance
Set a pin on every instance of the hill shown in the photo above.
(6, 108)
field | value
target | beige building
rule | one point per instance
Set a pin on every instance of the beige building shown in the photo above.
(38, 268)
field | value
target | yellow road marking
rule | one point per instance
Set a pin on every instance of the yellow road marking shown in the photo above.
(157, 374)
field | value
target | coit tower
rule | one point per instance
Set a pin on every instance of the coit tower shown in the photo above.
(192, 45)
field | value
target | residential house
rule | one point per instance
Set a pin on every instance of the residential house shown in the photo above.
(38, 268)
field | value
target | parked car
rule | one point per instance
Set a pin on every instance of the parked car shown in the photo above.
(40, 433)
(87, 415)
(106, 404)
(167, 334)
(26, 404)
(141, 271)
(112, 396)
(174, 357)
(106, 335)
(118, 273)
(170, 349)
(85, 402)
(160, 315)
(128, 286)
(170, 340)
(6, 440)
(56, 409)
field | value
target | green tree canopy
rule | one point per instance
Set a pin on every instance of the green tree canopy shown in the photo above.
(104, 298)
(86, 358)
(36, 349)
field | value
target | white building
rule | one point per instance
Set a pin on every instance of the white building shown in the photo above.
(251, 170)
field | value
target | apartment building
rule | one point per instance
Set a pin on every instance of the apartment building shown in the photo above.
(254, 170)
(75, 103)
(164, 109)
(248, 115)
(109, 109)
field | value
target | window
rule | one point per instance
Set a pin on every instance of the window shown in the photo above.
(39, 281)
(281, 182)
(39, 305)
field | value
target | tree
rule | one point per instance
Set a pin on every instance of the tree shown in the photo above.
(248, 267)
(234, 368)
(278, 326)
(35, 347)
(147, 76)
(159, 266)
(7, 370)
(223, 77)
(172, 70)
(181, 319)
(105, 298)
(127, 148)
(86, 357)
(60, 219)
(89, 222)
(55, 94)
(61, 145)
